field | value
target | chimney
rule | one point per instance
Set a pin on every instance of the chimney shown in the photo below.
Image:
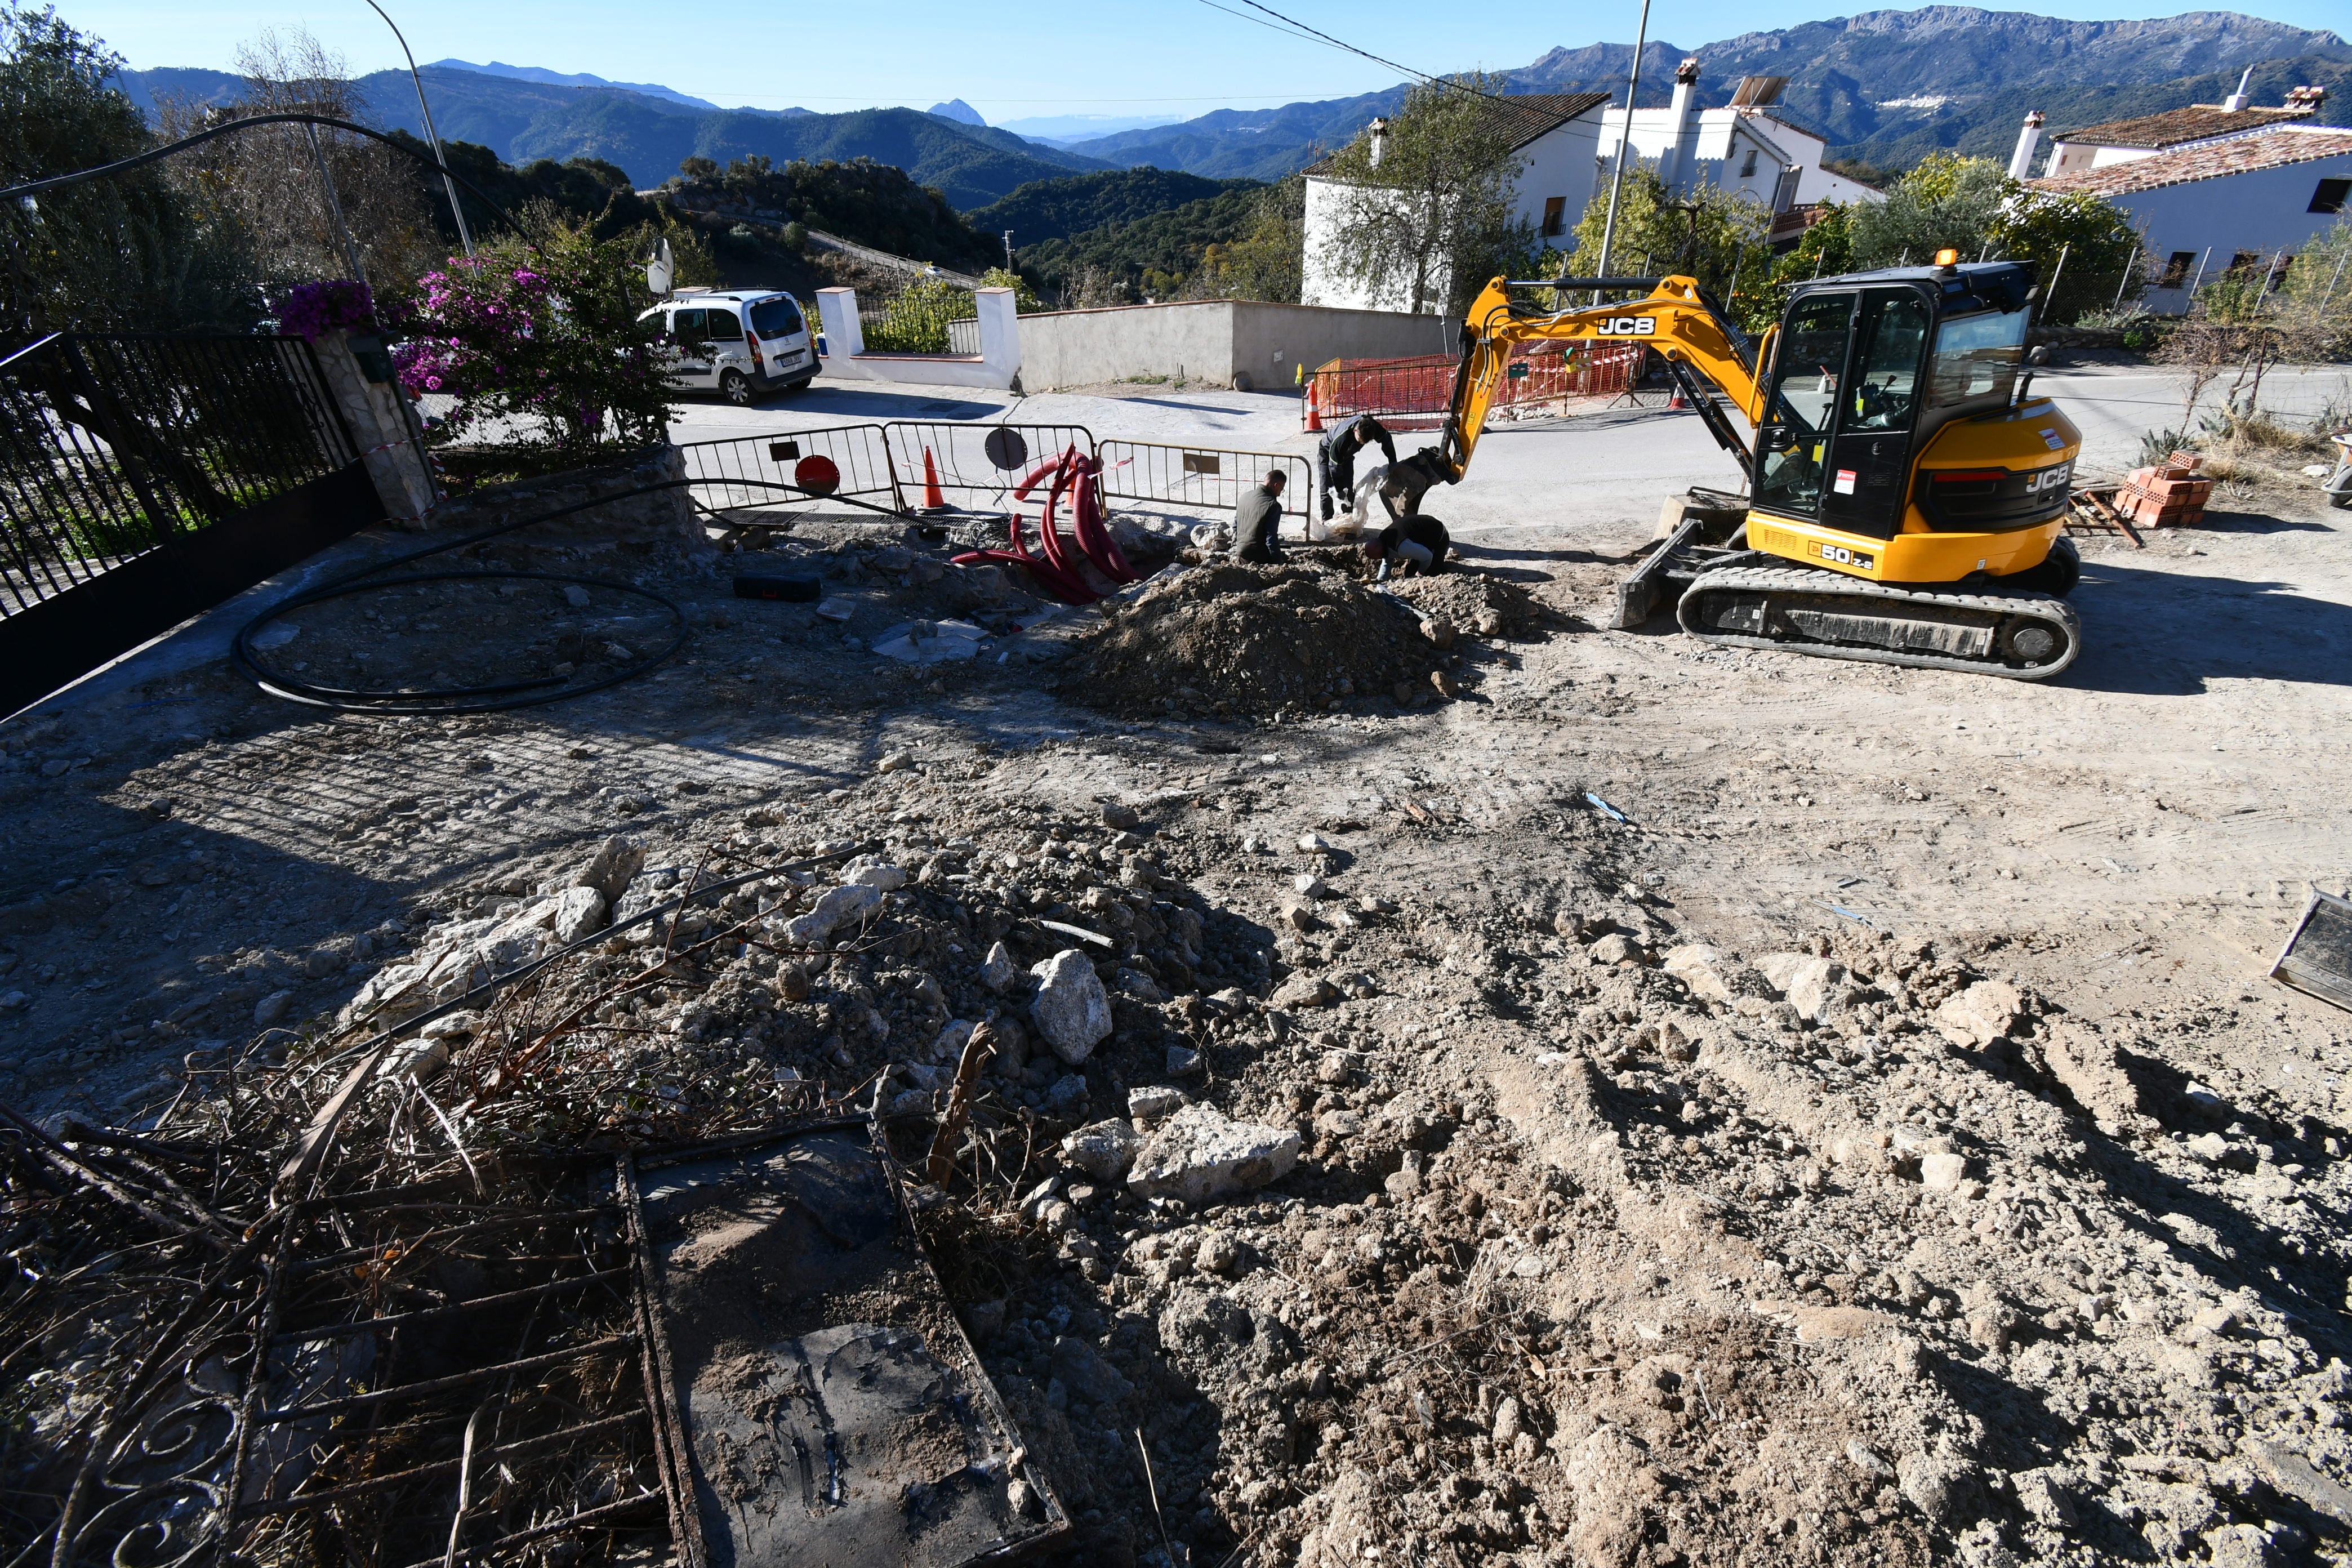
(1379, 140)
(1671, 165)
(2306, 99)
(2029, 137)
(2237, 99)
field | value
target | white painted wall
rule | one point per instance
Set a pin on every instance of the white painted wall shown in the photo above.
(1214, 341)
(998, 364)
(1560, 163)
(2262, 210)
(1718, 149)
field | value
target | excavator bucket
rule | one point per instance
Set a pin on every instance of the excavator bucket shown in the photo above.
(1703, 529)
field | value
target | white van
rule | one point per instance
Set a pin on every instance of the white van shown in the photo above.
(741, 344)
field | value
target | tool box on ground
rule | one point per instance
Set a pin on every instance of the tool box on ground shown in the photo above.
(2170, 494)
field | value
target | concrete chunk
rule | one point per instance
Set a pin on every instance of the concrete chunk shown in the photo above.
(617, 861)
(1104, 1149)
(1981, 1014)
(1071, 1009)
(837, 907)
(997, 970)
(580, 912)
(1200, 1155)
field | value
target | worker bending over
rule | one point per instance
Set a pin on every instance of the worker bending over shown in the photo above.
(1257, 521)
(1410, 544)
(1336, 457)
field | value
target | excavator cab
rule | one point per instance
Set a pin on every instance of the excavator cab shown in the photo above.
(1906, 495)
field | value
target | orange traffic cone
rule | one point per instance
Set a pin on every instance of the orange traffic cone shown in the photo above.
(933, 500)
(1314, 409)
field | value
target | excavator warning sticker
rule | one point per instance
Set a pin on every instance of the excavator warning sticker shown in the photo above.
(1627, 327)
(1845, 557)
(1844, 484)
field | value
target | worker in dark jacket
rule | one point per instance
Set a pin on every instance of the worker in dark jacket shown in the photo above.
(1336, 457)
(1257, 521)
(1410, 544)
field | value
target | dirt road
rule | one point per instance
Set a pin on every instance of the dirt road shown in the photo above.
(1839, 1280)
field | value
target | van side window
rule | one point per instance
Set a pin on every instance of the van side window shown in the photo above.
(724, 326)
(686, 326)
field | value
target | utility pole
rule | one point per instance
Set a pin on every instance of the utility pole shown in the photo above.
(1624, 146)
(2123, 283)
(457, 209)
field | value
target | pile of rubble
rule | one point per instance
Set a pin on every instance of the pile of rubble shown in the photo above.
(1316, 1225)
(1233, 640)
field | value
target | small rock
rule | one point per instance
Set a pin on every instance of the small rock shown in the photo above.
(1617, 948)
(1304, 990)
(610, 869)
(1864, 1458)
(1067, 1092)
(322, 962)
(1122, 818)
(1315, 844)
(1942, 1173)
(1309, 885)
(997, 970)
(1219, 1254)
(1508, 1422)
(2216, 1320)
(2044, 1500)
(271, 1008)
(868, 872)
(1815, 986)
(835, 908)
(1071, 1009)
(1183, 1062)
(1200, 1155)
(580, 912)
(1152, 1103)
(1104, 1149)
(1933, 1482)
(1439, 632)
(2210, 1147)
(895, 762)
(1336, 1068)
(575, 595)
(1983, 1013)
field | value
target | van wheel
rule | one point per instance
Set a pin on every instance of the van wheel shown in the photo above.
(736, 388)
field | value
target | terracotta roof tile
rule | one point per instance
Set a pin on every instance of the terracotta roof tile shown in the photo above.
(2175, 126)
(2240, 155)
(1522, 116)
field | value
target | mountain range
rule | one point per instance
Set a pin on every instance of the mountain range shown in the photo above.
(1885, 87)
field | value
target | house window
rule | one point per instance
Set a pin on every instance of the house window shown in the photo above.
(2331, 196)
(1555, 222)
(1747, 167)
(2175, 269)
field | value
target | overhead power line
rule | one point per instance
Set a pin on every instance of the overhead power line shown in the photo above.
(1282, 23)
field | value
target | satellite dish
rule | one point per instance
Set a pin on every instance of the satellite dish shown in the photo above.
(661, 270)
(1005, 449)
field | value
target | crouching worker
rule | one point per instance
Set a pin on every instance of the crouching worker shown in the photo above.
(1410, 544)
(1336, 457)
(1257, 523)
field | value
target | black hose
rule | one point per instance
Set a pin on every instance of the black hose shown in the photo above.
(504, 696)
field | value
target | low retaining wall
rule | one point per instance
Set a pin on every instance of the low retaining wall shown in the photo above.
(1243, 343)
(646, 516)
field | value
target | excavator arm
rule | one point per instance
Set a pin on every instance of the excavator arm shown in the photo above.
(1692, 334)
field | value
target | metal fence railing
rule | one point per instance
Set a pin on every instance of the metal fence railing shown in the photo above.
(1201, 478)
(977, 465)
(859, 455)
(1413, 393)
(963, 336)
(112, 446)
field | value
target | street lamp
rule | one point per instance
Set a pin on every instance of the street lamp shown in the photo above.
(465, 237)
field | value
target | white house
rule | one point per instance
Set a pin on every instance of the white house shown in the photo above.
(2227, 188)
(1554, 136)
(1743, 147)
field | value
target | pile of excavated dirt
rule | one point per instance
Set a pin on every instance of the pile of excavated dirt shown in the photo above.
(1476, 604)
(1237, 640)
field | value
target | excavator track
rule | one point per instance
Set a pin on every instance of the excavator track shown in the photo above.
(1797, 609)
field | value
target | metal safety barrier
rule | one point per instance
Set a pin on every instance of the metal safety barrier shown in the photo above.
(1414, 393)
(859, 454)
(1201, 478)
(977, 467)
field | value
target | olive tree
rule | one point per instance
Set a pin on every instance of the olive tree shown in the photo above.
(1431, 221)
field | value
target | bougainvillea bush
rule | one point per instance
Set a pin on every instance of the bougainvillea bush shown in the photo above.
(541, 346)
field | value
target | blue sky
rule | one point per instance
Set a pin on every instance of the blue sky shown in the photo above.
(1125, 57)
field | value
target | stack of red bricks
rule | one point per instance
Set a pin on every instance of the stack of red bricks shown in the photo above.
(2170, 494)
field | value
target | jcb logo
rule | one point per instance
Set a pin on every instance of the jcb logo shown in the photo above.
(1629, 326)
(2054, 479)
(1845, 557)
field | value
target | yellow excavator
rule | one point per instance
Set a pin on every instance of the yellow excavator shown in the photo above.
(1905, 492)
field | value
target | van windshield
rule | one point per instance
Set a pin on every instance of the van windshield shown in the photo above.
(777, 318)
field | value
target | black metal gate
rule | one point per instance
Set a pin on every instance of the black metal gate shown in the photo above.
(146, 478)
